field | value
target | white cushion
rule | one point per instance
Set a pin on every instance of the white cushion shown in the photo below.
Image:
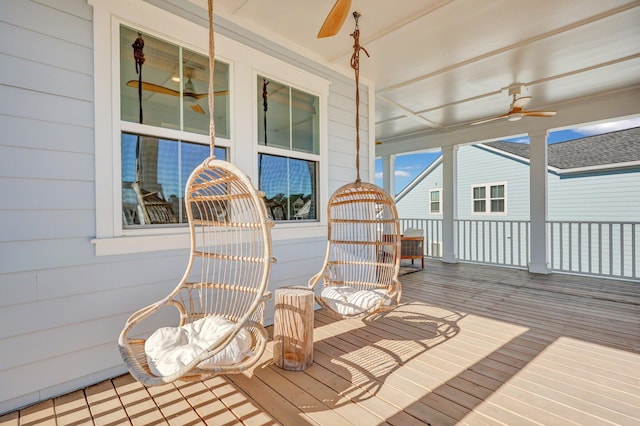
(347, 300)
(412, 232)
(170, 348)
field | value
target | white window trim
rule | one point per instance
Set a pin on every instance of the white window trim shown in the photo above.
(438, 190)
(290, 153)
(488, 211)
(108, 15)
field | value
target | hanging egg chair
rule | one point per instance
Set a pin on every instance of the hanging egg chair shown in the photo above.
(221, 298)
(359, 275)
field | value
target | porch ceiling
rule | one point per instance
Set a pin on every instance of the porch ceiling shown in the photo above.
(438, 65)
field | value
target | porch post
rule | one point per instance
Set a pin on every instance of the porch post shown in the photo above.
(538, 202)
(389, 174)
(449, 205)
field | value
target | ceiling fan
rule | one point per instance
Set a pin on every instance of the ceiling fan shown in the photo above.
(517, 108)
(334, 20)
(188, 92)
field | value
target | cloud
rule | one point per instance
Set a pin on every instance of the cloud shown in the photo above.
(597, 129)
(378, 175)
(519, 140)
(402, 173)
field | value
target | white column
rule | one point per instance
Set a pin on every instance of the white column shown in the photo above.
(449, 205)
(538, 202)
(389, 174)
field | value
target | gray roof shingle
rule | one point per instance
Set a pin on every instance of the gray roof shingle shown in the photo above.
(608, 148)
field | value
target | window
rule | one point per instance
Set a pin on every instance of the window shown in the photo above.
(288, 150)
(173, 135)
(168, 92)
(490, 198)
(434, 200)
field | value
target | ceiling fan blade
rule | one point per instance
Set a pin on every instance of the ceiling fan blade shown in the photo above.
(489, 119)
(165, 90)
(520, 103)
(335, 19)
(153, 88)
(204, 95)
(197, 108)
(539, 113)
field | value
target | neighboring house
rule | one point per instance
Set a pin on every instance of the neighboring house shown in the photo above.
(78, 254)
(596, 178)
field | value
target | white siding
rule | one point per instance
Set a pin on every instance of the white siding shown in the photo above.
(611, 196)
(415, 203)
(61, 307)
(600, 196)
(477, 166)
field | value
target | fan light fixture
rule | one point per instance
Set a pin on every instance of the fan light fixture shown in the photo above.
(517, 107)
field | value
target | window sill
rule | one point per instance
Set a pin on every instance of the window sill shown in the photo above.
(128, 244)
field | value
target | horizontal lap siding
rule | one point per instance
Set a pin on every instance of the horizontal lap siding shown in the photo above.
(61, 307)
(611, 196)
(415, 203)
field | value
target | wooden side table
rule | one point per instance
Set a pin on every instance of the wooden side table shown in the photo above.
(293, 328)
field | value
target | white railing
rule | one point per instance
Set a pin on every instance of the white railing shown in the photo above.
(498, 242)
(610, 249)
(595, 248)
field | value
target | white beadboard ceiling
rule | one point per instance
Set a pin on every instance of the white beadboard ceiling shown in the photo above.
(438, 65)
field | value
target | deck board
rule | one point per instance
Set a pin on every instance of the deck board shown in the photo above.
(470, 344)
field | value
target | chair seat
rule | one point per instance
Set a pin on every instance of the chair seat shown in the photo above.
(169, 349)
(349, 301)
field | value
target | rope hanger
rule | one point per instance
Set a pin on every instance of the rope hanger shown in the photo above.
(212, 122)
(355, 64)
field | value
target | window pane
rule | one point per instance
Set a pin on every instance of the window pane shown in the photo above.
(149, 180)
(305, 123)
(479, 192)
(435, 207)
(435, 195)
(497, 191)
(162, 85)
(274, 128)
(290, 187)
(479, 206)
(159, 96)
(153, 181)
(497, 205)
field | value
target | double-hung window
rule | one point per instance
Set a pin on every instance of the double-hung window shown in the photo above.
(164, 126)
(288, 150)
(435, 198)
(489, 198)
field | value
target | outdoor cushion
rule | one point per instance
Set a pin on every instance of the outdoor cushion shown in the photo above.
(347, 300)
(169, 349)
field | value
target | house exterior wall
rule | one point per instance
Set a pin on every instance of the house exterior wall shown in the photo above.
(62, 306)
(596, 196)
(415, 203)
(477, 166)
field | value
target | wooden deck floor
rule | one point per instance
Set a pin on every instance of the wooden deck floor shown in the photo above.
(471, 345)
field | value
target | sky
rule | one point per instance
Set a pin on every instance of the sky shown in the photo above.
(409, 166)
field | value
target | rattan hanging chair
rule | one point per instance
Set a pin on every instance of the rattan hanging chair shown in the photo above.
(223, 291)
(221, 297)
(359, 276)
(360, 271)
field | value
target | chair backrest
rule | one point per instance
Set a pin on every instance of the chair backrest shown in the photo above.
(363, 249)
(154, 209)
(231, 256)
